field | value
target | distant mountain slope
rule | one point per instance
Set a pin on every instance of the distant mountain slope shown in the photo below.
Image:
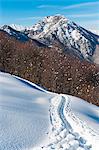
(12, 32)
(19, 27)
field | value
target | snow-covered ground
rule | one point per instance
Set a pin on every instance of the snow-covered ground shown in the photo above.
(32, 118)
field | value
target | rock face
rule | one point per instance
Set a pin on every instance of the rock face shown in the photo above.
(51, 67)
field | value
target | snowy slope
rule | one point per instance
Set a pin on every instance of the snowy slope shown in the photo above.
(19, 27)
(24, 119)
(94, 31)
(33, 119)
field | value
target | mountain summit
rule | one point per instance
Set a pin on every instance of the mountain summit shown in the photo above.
(71, 35)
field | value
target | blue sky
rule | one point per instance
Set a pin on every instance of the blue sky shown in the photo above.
(28, 12)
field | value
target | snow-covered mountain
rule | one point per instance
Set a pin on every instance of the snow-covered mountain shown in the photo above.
(15, 33)
(68, 33)
(19, 27)
(78, 40)
(32, 118)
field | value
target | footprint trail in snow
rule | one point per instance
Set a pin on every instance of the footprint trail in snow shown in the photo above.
(62, 135)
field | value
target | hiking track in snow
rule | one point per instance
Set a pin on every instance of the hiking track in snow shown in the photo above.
(62, 135)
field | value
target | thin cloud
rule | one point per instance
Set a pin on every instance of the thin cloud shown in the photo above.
(68, 7)
(47, 6)
(81, 5)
